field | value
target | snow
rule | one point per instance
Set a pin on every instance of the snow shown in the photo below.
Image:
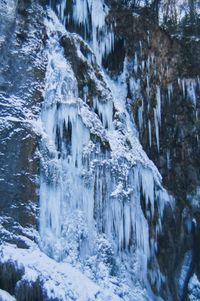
(7, 8)
(94, 173)
(5, 296)
(60, 280)
(194, 288)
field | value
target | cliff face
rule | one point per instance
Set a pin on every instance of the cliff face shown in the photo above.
(165, 106)
(82, 90)
(167, 115)
(22, 74)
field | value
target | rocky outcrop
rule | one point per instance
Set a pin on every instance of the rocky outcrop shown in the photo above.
(22, 73)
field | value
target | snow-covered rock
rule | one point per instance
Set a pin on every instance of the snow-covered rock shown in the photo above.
(194, 288)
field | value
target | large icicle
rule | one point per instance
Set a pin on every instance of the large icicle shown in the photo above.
(157, 115)
(91, 16)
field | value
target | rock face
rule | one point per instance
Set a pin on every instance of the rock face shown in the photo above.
(166, 112)
(80, 89)
(21, 81)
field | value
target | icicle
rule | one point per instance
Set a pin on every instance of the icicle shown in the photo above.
(105, 112)
(147, 183)
(61, 10)
(183, 87)
(156, 128)
(102, 35)
(134, 85)
(179, 82)
(140, 43)
(157, 115)
(136, 63)
(191, 85)
(152, 59)
(143, 64)
(149, 128)
(140, 115)
(148, 86)
(148, 63)
(148, 37)
(168, 159)
(80, 11)
(189, 88)
(170, 92)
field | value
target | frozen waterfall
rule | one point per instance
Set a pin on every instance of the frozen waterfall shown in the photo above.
(91, 190)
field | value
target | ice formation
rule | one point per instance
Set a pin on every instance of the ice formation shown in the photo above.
(194, 288)
(91, 191)
(157, 115)
(189, 88)
(7, 17)
(4, 296)
(90, 17)
(7, 8)
(101, 198)
(60, 281)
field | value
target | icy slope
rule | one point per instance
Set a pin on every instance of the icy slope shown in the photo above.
(57, 281)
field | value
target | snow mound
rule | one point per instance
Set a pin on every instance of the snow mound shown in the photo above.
(4, 296)
(59, 281)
